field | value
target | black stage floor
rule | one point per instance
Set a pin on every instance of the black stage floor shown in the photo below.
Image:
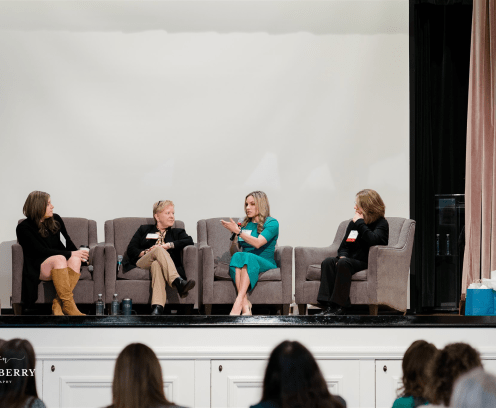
(413, 321)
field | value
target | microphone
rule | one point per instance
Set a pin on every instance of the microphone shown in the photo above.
(240, 220)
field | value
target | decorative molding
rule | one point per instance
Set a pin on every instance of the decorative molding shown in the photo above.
(68, 382)
(234, 382)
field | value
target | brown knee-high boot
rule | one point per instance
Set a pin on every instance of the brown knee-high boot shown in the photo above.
(62, 282)
(57, 303)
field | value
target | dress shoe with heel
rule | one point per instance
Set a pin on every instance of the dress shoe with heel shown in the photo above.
(248, 313)
(183, 286)
(157, 310)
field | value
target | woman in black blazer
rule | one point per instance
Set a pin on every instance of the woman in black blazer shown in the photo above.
(45, 256)
(158, 248)
(367, 228)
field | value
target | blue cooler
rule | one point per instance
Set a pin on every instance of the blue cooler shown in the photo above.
(480, 302)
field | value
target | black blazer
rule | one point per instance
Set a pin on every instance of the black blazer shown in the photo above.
(36, 249)
(139, 243)
(375, 233)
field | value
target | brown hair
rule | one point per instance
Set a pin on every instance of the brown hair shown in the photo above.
(415, 363)
(35, 209)
(138, 379)
(18, 354)
(449, 364)
(372, 205)
(262, 203)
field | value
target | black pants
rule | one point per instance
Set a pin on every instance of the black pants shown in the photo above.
(335, 282)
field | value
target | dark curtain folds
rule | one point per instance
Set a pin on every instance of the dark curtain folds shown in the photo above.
(442, 32)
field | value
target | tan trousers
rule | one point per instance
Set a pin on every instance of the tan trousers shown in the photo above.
(163, 271)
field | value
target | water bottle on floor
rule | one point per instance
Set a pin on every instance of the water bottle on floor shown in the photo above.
(99, 306)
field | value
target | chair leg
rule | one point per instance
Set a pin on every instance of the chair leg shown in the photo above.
(374, 310)
(188, 309)
(285, 309)
(208, 310)
(17, 307)
(302, 309)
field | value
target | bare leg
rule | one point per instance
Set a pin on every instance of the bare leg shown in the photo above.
(54, 262)
(74, 263)
(242, 284)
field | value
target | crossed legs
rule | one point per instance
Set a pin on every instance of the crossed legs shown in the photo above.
(242, 281)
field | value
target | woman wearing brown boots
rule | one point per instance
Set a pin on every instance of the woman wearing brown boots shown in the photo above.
(45, 256)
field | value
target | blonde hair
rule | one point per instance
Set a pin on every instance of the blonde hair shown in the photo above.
(372, 205)
(160, 205)
(35, 209)
(262, 203)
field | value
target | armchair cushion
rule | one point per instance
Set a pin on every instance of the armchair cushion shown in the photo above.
(314, 273)
(135, 274)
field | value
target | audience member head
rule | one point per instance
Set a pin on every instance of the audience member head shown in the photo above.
(38, 208)
(138, 379)
(476, 389)
(261, 208)
(415, 362)
(16, 390)
(449, 364)
(371, 204)
(293, 379)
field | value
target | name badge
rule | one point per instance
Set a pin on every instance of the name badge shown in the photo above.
(248, 232)
(151, 236)
(352, 237)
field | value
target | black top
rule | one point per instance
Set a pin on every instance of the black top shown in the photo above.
(375, 233)
(36, 249)
(139, 243)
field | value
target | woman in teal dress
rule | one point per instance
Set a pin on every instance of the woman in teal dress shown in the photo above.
(257, 238)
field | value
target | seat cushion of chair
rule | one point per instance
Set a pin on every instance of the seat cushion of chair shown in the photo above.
(221, 272)
(314, 274)
(85, 274)
(134, 274)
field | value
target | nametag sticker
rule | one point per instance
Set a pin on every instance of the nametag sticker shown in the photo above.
(151, 236)
(352, 237)
(62, 239)
(248, 232)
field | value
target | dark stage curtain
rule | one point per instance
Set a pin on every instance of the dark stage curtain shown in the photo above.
(439, 73)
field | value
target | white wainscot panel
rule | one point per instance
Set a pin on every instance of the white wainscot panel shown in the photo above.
(88, 383)
(239, 383)
(388, 381)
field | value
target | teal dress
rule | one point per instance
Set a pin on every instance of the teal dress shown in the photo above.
(409, 402)
(257, 260)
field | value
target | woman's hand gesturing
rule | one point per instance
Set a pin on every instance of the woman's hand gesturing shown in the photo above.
(357, 216)
(231, 226)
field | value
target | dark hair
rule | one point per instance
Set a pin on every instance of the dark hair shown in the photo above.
(293, 379)
(449, 364)
(138, 379)
(35, 209)
(415, 363)
(16, 390)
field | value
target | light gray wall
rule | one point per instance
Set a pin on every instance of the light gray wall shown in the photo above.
(112, 105)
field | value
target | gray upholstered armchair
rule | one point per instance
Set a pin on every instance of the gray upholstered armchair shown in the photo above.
(385, 281)
(274, 286)
(82, 232)
(136, 283)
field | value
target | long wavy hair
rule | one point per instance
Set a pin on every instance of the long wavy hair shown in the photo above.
(372, 205)
(415, 363)
(448, 365)
(18, 354)
(138, 379)
(293, 379)
(35, 209)
(262, 203)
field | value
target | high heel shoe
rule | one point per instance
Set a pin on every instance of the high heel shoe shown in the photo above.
(235, 314)
(248, 313)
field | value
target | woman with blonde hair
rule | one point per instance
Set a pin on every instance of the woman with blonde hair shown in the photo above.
(46, 257)
(138, 381)
(257, 238)
(158, 247)
(367, 228)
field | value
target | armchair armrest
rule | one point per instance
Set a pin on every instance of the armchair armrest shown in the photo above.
(306, 256)
(97, 259)
(284, 260)
(17, 265)
(110, 270)
(190, 261)
(207, 271)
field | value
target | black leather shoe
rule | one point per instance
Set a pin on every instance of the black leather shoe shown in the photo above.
(183, 286)
(327, 311)
(157, 310)
(340, 311)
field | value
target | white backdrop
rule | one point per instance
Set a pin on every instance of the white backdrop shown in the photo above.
(112, 105)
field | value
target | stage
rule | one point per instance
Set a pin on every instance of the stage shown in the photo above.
(219, 361)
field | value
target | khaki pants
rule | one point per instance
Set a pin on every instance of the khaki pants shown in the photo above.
(163, 271)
